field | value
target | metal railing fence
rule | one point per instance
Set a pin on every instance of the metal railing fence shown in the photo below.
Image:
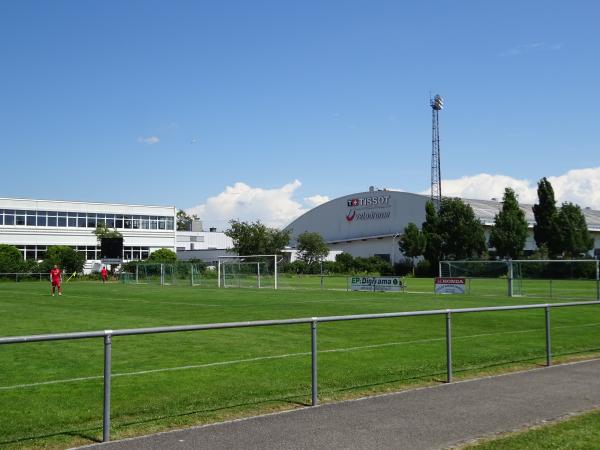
(29, 276)
(107, 336)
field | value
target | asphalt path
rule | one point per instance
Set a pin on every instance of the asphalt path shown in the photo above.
(435, 417)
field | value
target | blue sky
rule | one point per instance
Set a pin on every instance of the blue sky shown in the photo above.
(171, 102)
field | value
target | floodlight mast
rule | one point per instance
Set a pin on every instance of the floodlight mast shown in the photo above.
(437, 103)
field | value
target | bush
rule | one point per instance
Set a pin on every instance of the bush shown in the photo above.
(425, 269)
(163, 255)
(404, 267)
(11, 259)
(64, 257)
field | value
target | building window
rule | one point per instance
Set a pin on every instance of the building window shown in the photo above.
(30, 219)
(51, 218)
(72, 219)
(62, 219)
(9, 217)
(84, 220)
(91, 220)
(20, 218)
(41, 218)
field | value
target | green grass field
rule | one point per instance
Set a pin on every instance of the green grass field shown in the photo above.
(51, 393)
(578, 433)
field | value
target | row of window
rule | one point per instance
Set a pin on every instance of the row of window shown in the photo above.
(83, 220)
(91, 252)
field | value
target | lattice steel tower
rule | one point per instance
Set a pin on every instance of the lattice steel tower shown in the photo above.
(436, 173)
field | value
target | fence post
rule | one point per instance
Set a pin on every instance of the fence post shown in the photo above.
(448, 347)
(598, 279)
(510, 277)
(107, 373)
(219, 273)
(313, 352)
(137, 271)
(275, 258)
(548, 342)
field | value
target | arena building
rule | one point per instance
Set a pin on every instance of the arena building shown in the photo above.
(370, 223)
(34, 225)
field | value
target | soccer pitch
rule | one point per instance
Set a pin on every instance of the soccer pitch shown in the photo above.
(51, 393)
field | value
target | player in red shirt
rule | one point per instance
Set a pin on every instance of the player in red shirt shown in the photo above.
(55, 274)
(104, 274)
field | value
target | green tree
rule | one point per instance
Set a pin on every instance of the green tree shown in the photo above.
(64, 257)
(103, 231)
(345, 262)
(11, 259)
(256, 238)
(509, 232)
(311, 247)
(163, 255)
(413, 242)
(573, 233)
(545, 230)
(453, 232)
(184, 220)
(431, 232)
(462, 234)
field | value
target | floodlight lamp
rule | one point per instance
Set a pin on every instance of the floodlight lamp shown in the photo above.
(437, 103)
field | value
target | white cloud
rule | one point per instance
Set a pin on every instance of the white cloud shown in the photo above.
(527, 48)
(580, 186)
(316, 200)
(150, 140)
(274, 207)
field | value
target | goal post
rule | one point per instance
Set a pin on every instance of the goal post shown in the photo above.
(251, 271)
(574, 278)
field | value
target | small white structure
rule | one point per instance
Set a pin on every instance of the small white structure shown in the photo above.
(203, 240)
(291, 254)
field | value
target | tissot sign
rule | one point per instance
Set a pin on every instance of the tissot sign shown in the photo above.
(373, 207)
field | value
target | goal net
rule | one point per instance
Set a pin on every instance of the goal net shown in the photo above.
(537, 278)
(158, 274)
(250, 271)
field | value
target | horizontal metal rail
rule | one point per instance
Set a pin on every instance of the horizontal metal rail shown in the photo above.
(107, 336)
(267, 323)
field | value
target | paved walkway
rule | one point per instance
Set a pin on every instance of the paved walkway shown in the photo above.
(428, 418)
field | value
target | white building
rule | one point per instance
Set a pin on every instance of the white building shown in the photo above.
(370, 223)
(202, 240)
(34, 225)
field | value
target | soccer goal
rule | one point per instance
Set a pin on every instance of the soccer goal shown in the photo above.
(249, 271)
(159, 274)
(565, 278)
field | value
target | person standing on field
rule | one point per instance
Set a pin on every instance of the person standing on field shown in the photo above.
(104, 274)
(55, 274)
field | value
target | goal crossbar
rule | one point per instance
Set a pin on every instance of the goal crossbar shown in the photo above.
(227, 260)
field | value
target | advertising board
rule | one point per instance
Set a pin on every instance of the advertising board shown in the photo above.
(371, 284)
(445, 285)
